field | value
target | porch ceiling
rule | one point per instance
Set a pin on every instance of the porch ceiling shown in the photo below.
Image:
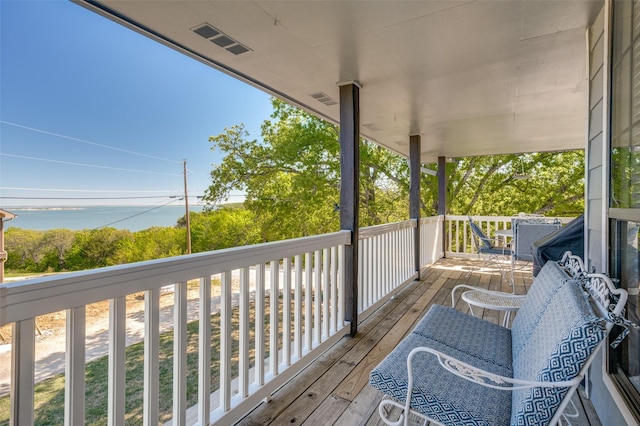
(471, 77)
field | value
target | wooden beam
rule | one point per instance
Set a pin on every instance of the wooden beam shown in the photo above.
(350, 192)
(414, 196)
(442, 198)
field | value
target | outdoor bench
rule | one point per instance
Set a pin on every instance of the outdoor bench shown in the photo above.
(462, 370)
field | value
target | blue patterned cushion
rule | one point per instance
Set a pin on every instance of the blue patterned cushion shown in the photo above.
(542, 291)
(467, 334)
(565, 336)
(439, 394)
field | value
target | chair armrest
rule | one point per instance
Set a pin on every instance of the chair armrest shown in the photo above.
(480, 376)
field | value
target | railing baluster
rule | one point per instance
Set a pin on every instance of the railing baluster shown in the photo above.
(341, 284)
(179, 354)
(151, 353)
(23, 352)
(286, 311)
(117, 346)
(273, 316)
(334, 290)
(74, 384)
(308, 301)
(378, 267)
(326, 293)
(244, 333)
(317, 294)
(362, 288)
(260, 311)
(225, 340)
(299, 323)
(204, 351)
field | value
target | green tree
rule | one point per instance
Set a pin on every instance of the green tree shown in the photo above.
(152, 243)
(223, 228)
(291, 178)
(57, 243)
(97, 248)
(550, 183)
(25, 249)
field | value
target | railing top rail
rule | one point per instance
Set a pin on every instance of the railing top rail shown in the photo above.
(29, 298)
(371, 231)
(501, 218)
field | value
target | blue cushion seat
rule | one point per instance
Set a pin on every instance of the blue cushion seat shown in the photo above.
(553, 335)
(468, 334)
(445, 398)
(438, 395)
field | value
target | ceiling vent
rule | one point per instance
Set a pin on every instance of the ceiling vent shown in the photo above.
(372, 127)
(324, 98)
(401, 143)
(221, 39)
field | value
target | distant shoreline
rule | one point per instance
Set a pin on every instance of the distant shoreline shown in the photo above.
(77, 218)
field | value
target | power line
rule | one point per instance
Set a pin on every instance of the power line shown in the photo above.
(80, 190)
(87, 142)
(137, 214)
(86, 198)
(88, 165)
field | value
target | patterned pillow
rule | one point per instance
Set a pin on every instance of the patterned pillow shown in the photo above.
(542, 291)
(556, 350)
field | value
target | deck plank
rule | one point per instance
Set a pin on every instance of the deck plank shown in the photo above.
(334, 389)
(359, 376)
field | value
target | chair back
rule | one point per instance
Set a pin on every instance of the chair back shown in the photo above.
(480, 240)
(528, 231)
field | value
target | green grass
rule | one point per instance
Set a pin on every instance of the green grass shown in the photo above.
(49, 394)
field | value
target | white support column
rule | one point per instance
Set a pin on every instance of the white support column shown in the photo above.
(23, 354)
(117, 345)
(74, 384)
(151, 354)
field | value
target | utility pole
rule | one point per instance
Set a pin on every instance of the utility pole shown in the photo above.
(186, 204)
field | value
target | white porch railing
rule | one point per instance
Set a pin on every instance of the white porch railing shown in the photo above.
(458, 232)
(386, 258)
(293, 289)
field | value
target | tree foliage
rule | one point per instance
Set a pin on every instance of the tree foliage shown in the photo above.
(550, 183)
(291, 179)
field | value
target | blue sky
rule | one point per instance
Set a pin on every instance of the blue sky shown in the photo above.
(89, 108)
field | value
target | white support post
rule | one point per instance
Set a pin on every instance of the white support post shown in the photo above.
(204, 351)
(260, 315)
(273, 316)
(225, 341)
(117, 368)
(243, 362)
(180, 354)
(151, 394)
(74, 384)
(23, 354)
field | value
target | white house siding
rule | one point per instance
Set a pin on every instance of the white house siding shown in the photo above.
(606, 400)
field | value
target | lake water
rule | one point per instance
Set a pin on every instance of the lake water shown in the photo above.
(133, 218)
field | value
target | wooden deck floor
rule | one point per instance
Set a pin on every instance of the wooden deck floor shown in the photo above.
(334, 389)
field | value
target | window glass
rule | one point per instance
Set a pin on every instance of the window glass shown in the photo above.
(625, 262)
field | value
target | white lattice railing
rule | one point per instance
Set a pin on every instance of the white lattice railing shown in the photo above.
(263, 340)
